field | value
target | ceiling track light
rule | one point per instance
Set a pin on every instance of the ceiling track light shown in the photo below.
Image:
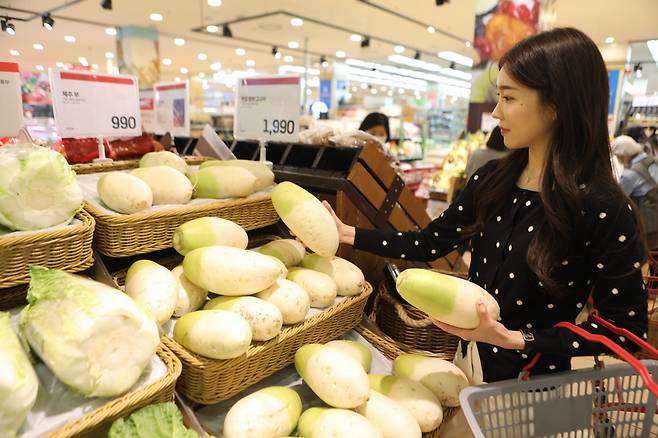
(226, 31)
(365, 42)
(417, 55)
(106, 4)
(8, 26)
(275, 50)
(47, 21)
(323, 61)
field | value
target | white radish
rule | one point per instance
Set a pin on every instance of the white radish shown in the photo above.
(231, 271)
(209, 231)
(290, 298)
(441, 377)
(264, 318)
(389, 417)
(348, 277)
(305, 215)
(320, 287)
(124, 193)
(217, 334)
(154, 287)
(169, 186)
(220, 182)
(413, 396)
(190, 296)
(164, 158)
(334, 377)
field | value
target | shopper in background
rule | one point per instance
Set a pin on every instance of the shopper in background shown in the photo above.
(549, 225)
(495, 149)
(639, 180)
(377, 124)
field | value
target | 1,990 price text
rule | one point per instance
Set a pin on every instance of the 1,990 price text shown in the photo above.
(279, 126)
(123, 122)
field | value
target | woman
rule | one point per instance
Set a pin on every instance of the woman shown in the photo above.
(548, 224)
(377, 125)
(495, 149)
(639, 180)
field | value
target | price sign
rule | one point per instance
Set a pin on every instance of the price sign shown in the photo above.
(95, 105)
(11, 109)
(267, 108)
(172, 112)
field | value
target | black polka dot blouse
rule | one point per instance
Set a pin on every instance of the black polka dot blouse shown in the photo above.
(604, 261)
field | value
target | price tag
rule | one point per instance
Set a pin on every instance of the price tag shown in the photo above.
(95, 105)
(172, 112)
(267, 108)
(11, 109)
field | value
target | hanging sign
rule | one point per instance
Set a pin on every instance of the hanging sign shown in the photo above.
(11, 110)
(267, 108)
(172, 108)
(95, 105)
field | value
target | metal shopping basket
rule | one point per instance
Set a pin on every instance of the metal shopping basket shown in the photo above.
(606, 402)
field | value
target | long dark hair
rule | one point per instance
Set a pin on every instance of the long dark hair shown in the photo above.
(566, 68)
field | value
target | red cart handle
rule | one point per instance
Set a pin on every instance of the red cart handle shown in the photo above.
(628, 357)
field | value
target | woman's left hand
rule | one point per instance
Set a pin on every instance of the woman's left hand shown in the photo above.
(488, 331)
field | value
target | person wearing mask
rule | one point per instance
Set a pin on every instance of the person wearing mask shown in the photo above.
(548, 224)
(495, 149)
(376, 124)
(639, 180)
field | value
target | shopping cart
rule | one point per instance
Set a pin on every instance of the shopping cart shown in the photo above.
(614, 401)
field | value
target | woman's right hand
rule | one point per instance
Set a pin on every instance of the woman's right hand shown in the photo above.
(346, 233)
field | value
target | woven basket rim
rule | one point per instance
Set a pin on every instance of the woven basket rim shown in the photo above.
(198, 361)
(84, 168)
(118, 406)
(173, 211)
(87, 224)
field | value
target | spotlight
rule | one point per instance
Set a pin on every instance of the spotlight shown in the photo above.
(441, 2)
(365, 42)
(8, 27)
(226, 31)
(106, 4)
(417, 54)
(275, 50)
(323, 61)
(47, 21)
(638, 70)
(452, 65)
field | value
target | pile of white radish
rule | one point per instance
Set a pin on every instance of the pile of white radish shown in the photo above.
(256, 293)
(406, 404)
(165, 178)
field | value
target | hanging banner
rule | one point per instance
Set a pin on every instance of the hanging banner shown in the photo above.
(138, 54)
(614, 76)
(11, 110)
(499, 26)
(95, 105)
(267, 108)
(172, 108)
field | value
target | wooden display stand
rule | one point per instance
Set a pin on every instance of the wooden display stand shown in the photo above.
(362, 186)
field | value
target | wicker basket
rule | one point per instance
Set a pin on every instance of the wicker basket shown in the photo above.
(139, 233)
(209, 381)
(67, 248)
(410, 327)
(84, 168)
(97, 422)
(392, 349)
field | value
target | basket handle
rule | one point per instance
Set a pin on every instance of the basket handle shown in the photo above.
(628, 357)
(402, 314)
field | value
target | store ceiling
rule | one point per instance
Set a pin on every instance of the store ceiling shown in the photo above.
(87, 21)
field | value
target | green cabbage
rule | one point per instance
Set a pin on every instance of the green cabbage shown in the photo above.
(93, 337)
(38, 188)
(163, 420)
(18, 381)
